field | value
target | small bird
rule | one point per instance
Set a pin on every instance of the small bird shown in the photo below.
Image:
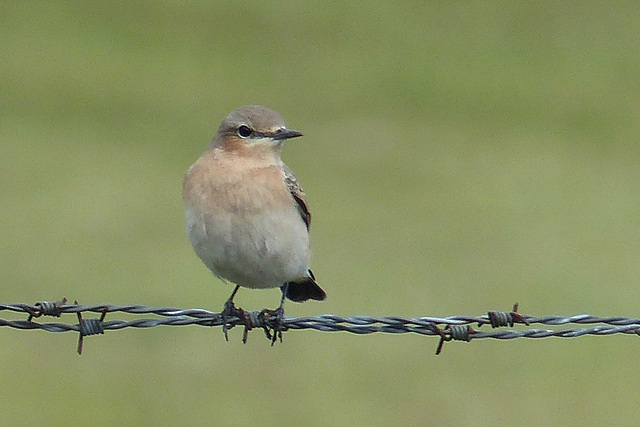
(246, 214)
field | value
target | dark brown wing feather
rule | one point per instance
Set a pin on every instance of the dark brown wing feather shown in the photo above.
(307, 288)
(298, 194)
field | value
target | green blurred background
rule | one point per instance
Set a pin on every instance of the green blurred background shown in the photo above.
(458, 157)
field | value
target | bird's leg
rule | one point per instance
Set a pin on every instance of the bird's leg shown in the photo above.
(278, 326)
(230, 310)
(275, 319)
(280, 309)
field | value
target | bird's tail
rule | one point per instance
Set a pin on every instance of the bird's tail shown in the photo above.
(304, 290)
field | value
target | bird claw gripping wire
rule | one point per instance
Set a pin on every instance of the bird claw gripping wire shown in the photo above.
(230, 310)
(272, 321)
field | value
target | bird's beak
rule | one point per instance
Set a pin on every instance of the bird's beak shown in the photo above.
(281, 134)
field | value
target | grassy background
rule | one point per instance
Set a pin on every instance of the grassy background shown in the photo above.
(458, 157)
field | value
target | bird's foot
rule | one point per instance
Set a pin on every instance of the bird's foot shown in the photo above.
(230, 310)
(273, 321)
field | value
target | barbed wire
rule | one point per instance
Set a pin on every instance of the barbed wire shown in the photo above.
(452, 328)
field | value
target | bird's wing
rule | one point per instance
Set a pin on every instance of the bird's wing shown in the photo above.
(298, 194)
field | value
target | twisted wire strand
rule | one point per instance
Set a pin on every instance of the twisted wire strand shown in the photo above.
(447, 328)
(200, 313)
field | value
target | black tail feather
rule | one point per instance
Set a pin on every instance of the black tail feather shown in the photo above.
(304, 290)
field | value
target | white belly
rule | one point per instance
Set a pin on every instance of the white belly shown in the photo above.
(252, 251)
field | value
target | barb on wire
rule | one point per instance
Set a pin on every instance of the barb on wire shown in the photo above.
(452, 328)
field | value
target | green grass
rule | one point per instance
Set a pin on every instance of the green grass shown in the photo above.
(458, 157)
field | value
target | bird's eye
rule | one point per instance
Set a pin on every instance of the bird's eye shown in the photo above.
(244, 131)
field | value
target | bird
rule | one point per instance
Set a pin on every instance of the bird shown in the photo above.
(246, 214)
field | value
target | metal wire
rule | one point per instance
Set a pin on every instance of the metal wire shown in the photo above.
(447, 328)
